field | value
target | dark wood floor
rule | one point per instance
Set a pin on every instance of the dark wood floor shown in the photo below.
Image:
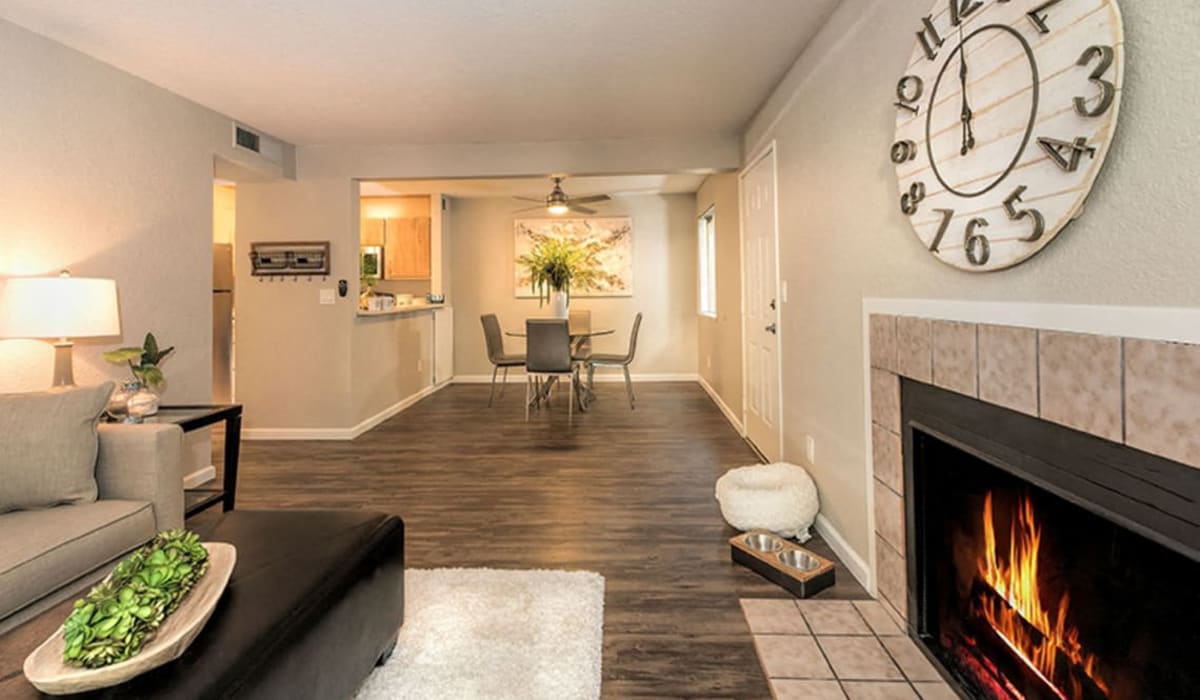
(628, 494)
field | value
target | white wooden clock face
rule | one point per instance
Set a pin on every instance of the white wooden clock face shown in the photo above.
(1005, 114)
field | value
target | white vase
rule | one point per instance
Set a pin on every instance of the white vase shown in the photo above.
(558, 305)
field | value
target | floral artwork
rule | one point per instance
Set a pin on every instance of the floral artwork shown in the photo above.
(608, 238)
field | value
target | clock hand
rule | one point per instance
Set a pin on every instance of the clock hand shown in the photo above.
(968, 132)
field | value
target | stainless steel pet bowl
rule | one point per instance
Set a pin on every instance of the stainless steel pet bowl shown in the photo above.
(799, 560)
(763, 542)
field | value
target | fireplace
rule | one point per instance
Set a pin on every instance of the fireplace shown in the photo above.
(1046, 563)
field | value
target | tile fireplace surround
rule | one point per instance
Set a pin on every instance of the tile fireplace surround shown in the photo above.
(1141, 393)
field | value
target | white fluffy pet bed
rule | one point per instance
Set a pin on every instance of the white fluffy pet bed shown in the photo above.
(778, 497)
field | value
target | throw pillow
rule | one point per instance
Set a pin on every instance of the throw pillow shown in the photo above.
(48, 447)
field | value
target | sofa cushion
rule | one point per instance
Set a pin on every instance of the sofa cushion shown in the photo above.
(49, 455)
(43, 550)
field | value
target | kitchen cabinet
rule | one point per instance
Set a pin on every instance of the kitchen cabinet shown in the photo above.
(406, 249)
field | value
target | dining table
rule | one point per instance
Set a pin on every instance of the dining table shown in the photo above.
(579, 334)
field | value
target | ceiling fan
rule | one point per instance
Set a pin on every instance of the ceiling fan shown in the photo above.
(558, 203)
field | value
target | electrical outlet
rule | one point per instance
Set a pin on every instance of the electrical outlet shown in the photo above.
(708, 361)
(810, 449)
(328, 296)
(783, 291)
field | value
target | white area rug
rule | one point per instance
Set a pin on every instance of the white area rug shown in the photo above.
(483, 633)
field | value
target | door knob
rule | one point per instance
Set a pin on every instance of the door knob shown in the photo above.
(772, 328)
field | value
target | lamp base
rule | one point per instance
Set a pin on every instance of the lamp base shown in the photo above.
(64, 375)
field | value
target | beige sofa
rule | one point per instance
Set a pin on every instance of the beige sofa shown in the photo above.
(47, 554)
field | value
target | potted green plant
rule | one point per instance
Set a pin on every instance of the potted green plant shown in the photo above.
(557, 264)
(139, 396)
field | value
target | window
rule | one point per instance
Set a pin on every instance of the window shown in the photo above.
(708, 263)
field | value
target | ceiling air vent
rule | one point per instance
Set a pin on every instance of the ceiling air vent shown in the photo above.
(244, 138)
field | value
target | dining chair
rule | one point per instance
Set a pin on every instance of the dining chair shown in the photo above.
(547, 356)
(622, 361)
(496, 355)
(579, 322)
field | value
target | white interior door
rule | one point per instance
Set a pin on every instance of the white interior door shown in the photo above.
(760, 299)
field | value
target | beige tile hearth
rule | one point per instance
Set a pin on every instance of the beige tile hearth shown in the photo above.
(833, 617)
(792, 656)
(773, 616)
(879, 620)
(791, 689)
(879, 690)
(1008, 371)
(914, 352)
(910, 659)
(893, 585)
(1080, 382)
(1162, 399)
(935, 691)
(955, 358)
(859, 658)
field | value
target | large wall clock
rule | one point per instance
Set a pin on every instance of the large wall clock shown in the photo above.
(1005, 114)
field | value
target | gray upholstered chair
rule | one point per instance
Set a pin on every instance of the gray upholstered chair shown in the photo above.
(496, 355)
(547, 355)
(622, 361)
(580, 322)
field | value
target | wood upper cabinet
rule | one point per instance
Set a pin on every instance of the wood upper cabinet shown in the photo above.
(406, 249)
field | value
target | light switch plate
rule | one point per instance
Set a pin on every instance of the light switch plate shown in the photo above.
(783, 291)
(328, 296)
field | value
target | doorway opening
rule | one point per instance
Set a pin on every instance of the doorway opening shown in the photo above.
(223, 317)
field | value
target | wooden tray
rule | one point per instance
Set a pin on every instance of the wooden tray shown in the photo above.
(770, 566)
(44, 668)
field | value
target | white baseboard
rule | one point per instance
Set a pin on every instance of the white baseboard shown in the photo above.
(855, 564)
(201, 476)
(341, 433)
(729, 415)
(601, 377)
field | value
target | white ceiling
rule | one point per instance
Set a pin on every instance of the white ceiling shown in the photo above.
(538, 187)
(449, 71)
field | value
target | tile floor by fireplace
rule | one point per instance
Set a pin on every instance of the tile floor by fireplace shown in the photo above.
(839, 650)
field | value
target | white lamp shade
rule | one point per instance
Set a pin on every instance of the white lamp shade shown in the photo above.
(58, 307)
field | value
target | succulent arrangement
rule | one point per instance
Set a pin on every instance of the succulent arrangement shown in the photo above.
(124, 611)
(144, 361)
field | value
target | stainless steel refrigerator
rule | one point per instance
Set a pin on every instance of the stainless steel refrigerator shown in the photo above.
(222, 335)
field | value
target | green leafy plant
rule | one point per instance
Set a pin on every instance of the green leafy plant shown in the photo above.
(123, 612)
(143, 361)
(555, 264)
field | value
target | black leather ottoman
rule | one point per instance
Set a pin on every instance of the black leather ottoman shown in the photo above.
(315, 601)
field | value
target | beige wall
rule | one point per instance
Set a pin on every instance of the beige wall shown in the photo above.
(719, 340)
(393, 360)
(843, 238)
(110, 176)
(664, 269)
(293, 353)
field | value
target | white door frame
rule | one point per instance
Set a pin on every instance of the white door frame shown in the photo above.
(768, 150)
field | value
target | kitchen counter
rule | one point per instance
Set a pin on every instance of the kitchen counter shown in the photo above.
(400, 310)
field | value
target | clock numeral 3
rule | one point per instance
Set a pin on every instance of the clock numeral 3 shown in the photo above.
(904, 151)
(910, 201)
(976, 245)
(1039, 221)
(1039, 20)
(909, 91)
(947, 215)
(961, 9)
(1067, 154)
(1108, 90)
(930, 40)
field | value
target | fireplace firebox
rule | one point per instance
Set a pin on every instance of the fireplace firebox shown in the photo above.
(1047, 564)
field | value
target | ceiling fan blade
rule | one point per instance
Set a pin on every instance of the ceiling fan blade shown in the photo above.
(589, 200)
(530, 199)
(580, 210)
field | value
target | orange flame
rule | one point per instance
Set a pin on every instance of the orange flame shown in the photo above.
(1016, 581)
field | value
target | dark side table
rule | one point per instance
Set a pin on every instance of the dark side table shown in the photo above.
(191, 418)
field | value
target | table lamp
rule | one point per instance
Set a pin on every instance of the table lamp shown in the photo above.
(58, 308)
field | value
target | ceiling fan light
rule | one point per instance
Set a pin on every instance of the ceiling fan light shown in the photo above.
(557, 208)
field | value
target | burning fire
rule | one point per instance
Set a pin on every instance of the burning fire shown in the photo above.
(1051, 639)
